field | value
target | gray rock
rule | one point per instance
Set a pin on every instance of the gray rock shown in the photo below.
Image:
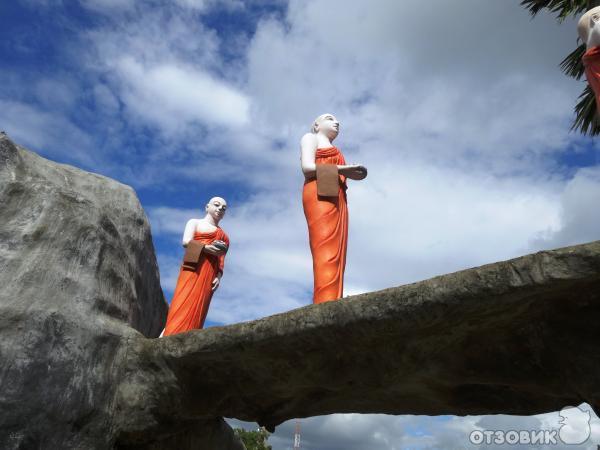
(81, 303)
(514, 337)
(79, 281)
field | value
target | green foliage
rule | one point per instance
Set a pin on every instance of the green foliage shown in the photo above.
(572, 64)
(562, 8)
(254, 440)
(586, 117)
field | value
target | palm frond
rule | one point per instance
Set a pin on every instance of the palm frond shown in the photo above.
(586, 118)
(572, 65)
(562, 8)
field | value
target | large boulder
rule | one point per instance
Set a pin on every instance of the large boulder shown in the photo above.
(78, 282)
(81, 305)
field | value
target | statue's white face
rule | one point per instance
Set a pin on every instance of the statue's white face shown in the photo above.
(216, 207)
(329, 126)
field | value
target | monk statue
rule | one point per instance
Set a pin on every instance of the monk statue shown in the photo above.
(200, 275)
(325, 207)
(589, 32)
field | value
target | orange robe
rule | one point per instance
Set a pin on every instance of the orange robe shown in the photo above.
(591, 62)
(194, 288)
(327, 219)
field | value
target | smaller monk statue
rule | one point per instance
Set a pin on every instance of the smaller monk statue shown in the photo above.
(325, 208)
(589, 32)
(200, 275)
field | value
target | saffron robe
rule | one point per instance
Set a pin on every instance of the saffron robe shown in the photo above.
(193, 292)
(591, 62)
(327, 219)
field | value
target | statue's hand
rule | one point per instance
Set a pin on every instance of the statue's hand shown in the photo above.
(355, 172)
(216, 250)
(222, 245)
(215, 284)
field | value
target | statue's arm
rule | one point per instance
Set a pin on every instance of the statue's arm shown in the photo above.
(308, 146)
(217, 280)
(222, 256)
(353, 171)
(188, 233)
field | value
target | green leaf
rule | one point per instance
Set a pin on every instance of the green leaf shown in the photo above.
(561, 8)
(572, 64)
(586, 117)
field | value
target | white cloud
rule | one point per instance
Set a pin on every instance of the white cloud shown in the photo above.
(415, 221)
(204, 5)
(163, 65)
(108, 6)
(386, 432)
(112, 6)
(56, 94)
(171, 96)
(363, 64)
(579, 215)
(194, 4)
(45, 132)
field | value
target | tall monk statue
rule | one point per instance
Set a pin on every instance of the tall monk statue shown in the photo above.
(200, 274)
(325, 206)
(589, 32)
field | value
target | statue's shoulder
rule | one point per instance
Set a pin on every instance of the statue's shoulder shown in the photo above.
(309, 139)
(192, 223)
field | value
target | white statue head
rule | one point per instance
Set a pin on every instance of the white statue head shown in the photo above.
(587, 22)
(216, 208)
(326, 124)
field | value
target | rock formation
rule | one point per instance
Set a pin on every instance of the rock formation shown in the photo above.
(81, 303)
(515, 337)
(79, 282)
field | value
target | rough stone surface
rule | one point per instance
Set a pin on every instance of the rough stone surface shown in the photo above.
(514, 337)
(78, 282)
(80, 303)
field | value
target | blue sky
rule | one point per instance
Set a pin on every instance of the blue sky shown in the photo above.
(458, 109)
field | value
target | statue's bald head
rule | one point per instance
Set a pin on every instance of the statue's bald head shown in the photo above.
(216, 208)
(586, 23)
(218, 200)
(326, 124)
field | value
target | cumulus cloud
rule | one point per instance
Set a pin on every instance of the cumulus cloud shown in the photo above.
(56, 94)
(385, 432)
(435, 95)
(108, 5)
(47, 132)
(163, 67)
(172, 96)
(203, 5)
(579, 216)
